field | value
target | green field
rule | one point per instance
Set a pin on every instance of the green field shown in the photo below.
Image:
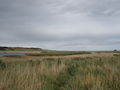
(89, 73)
(57, 53)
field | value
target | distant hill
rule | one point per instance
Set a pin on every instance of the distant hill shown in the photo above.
(18, 49)
(43, 52)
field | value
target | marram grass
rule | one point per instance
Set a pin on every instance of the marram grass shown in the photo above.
(61, 74)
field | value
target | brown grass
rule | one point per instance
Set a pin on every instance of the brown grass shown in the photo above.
(76, 72)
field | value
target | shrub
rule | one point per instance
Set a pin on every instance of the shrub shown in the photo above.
(2, 65)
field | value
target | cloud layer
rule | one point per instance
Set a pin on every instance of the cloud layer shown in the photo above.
(61, 24)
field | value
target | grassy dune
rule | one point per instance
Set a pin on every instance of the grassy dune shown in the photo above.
(90, 73)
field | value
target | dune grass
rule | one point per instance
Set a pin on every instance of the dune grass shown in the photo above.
(90, 73)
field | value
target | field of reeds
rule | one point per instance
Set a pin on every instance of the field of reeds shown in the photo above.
(89, 73)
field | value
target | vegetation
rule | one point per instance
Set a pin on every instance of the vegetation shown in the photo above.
(57, 53)
(114, 51)
(42, 52)
(18, 49)
(90, 73)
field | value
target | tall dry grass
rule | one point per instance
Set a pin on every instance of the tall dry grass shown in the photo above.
(95, 73)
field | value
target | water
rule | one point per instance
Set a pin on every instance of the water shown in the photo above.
(12, 54)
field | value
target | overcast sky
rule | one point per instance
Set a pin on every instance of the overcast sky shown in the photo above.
(61, 24)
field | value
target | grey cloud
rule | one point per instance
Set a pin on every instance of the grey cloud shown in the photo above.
(60, 24)
(93, 7)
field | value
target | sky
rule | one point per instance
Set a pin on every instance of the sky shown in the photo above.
(60, 24)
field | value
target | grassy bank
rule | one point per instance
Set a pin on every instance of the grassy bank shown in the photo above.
(39, 51)
(57, 53)
(90, 73)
